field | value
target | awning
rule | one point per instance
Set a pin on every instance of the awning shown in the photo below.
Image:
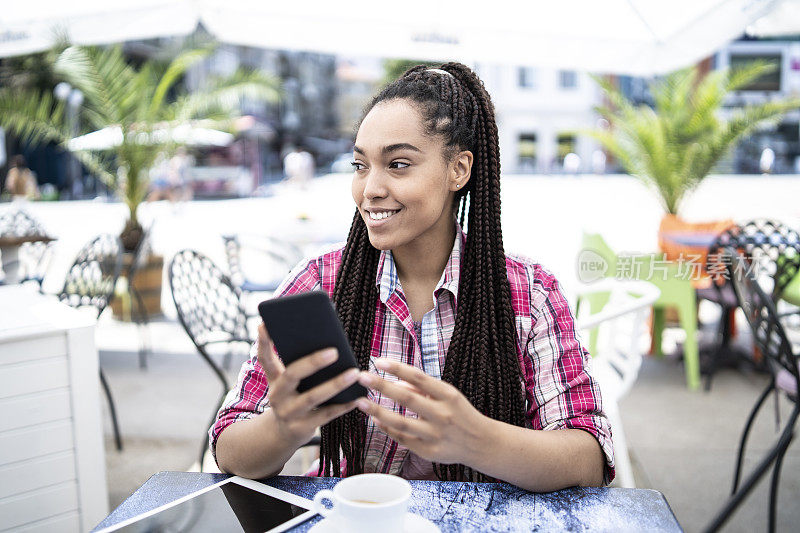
(638, 37)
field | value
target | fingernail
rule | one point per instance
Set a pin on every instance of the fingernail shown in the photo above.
(382, 364)
(362, 403)
(366, 379)
(351, 376)
(329, 355)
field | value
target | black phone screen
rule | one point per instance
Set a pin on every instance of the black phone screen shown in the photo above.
(304, 323)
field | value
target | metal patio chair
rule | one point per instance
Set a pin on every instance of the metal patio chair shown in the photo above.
(765, 244)
(90, 282)
(782, 361)
(209, 310)
(276, 255)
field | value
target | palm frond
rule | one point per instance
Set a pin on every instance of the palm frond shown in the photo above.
(673, 146)
(175, 70)
(36, 117)
(226, 95)
(105, 78)
(741, 77)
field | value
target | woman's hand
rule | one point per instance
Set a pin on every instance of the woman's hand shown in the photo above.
(298, 415)
(448, 428)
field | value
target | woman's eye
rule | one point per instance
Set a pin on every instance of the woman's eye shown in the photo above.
(394, 164)
(356, 165)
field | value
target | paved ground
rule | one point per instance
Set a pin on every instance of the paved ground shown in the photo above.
(682, 443)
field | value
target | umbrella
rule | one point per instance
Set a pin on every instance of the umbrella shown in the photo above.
(111, 137)
(638, 37)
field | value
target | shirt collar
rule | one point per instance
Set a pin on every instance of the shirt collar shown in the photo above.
(387, 279)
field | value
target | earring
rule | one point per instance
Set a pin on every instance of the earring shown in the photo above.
(458, 185)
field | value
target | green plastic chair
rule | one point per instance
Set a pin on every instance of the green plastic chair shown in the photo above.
(791, 293)
(676, 291)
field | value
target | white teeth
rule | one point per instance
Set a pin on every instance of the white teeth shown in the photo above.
(381, 215)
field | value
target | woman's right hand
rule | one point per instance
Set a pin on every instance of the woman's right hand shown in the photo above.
(298, 415)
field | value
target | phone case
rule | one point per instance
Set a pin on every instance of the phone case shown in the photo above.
(303, 323)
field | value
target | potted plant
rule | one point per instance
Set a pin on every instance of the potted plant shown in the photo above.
(143, 106)
(137, 102)
(674, 145)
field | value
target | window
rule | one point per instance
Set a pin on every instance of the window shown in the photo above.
(771, 81)
(526, 150)
(566, 145)
(567, 79)
(526, 77)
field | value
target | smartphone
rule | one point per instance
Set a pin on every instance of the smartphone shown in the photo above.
(303, 323)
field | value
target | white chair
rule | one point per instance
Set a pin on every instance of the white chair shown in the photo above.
(622, 339)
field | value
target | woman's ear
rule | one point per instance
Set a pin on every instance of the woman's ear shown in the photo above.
(460, 170)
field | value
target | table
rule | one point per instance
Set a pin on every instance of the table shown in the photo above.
(455, 506)
(52, 462)
(9, 253)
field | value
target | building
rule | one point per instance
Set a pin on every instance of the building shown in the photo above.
(782, 138)
(541, 114)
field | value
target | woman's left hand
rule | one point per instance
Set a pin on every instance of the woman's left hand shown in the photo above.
(448, 428)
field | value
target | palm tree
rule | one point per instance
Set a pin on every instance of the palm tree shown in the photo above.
(673, 146)
(138, 102)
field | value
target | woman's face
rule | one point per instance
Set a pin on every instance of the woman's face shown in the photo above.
(402, 185)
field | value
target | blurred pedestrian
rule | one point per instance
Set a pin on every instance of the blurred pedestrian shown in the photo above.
(298, 166)
(21, 181)
(766, 161)
(179, 175)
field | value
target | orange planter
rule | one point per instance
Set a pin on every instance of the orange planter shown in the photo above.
(680, 240)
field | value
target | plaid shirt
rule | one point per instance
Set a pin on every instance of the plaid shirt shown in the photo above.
(560, 392)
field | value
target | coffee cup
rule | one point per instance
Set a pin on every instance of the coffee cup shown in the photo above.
(366, 502)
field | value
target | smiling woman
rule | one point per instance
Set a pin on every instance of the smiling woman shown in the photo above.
(470, 354)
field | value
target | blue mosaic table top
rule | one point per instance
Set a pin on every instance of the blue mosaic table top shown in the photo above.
(455, 506)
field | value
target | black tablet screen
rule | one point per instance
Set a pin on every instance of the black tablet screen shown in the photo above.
(229, 507)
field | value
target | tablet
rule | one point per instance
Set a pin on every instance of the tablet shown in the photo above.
(234, 504)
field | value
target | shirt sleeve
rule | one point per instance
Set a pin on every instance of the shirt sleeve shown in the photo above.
(564, 394)
(249, 397)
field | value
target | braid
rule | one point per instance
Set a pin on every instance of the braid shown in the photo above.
(355, 297)
(482, 358)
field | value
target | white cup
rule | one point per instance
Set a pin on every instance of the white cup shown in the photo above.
(366, 502)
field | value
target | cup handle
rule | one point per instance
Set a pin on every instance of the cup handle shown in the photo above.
(319, 507)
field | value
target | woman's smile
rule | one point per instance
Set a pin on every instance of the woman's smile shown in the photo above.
(376, 217)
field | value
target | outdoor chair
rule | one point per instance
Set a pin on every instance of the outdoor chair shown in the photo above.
(211, 313)
(90, 282)
(782, 361)
(765, 244)
(19, 223)
(621, 325)
(209, 310)
(675, 288)
(272, 256)
(34, 261)
(32, 257)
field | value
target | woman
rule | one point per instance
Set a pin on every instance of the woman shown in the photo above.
(483, 344)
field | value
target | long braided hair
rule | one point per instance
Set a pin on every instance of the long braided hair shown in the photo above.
(482, 358)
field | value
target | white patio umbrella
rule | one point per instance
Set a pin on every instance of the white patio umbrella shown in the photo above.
(783, 20)
(34, 25)
(639, 37)
(111, 137)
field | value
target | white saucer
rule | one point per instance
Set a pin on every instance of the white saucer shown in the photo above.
(414, 523)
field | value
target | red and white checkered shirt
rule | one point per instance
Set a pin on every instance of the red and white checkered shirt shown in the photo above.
(560, 392)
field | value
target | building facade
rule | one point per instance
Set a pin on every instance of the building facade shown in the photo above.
(541, 116)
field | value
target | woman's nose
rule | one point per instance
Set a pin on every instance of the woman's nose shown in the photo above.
(375, 185)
